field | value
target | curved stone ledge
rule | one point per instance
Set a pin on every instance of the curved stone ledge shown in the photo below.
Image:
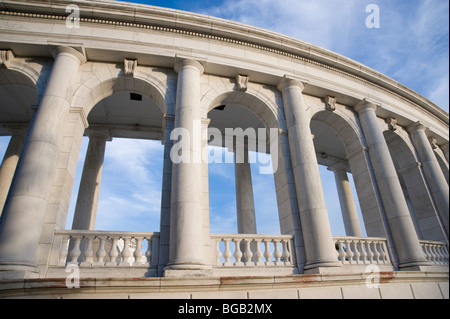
(391, 285)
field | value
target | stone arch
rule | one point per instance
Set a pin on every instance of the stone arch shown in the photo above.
(412, 180)
(104, 84)
(264, 103)
(255, 100)
(345, 126)
(19, 84)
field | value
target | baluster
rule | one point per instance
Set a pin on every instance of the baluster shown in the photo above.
(445, 254)
(138, 252)
(64, 251)
(386, 258)
(342, 253)
(258, 253)
(148, 252)
(349, 251)
(267, 252)
(377, 254)
(286, 252)
(227, 253)
(237, 252)
(433, 253)
(370, 252)
(356, 253)
(101, 252)
(363, 250)
(75, 252)
(277, 252)
(440, 254)
(88, 252)
(113, 253)
(126, 252)
(248, 253)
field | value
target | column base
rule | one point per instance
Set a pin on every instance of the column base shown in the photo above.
(321, 268)
(187, 270)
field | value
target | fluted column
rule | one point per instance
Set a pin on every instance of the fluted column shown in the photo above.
(346, 201)
(186, 218)
(399, 219)
(319, 247)
(245, 203)
(89, 190)
(9, 163)
(432, 170)
(24, 215)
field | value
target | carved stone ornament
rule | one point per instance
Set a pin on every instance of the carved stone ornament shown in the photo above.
(330, 102)
(392, 123)
(129, 67)
(242, 82)
(6, 57)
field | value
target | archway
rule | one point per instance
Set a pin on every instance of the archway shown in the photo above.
(333, 136)
(130, 115)
(412, 180)
(18, 95)
(240, 185)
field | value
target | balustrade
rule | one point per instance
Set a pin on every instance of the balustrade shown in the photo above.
(358, 250)
(435, 252)
(253, 250)
(108, 249)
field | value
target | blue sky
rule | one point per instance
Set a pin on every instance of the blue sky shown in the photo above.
(411, 46)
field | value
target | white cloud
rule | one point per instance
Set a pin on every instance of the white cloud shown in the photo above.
(411, 46)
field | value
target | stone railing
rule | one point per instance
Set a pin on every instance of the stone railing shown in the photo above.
(362, 250)
(249, 250)
(435, 252)
(108, 248)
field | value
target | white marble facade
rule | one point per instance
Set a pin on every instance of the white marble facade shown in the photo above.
(394, 142)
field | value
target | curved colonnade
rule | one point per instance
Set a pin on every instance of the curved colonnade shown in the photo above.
(317, 108)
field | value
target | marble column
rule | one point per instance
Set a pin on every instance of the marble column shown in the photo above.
(245, 203)
(346, 201)
(9, 163)
(404, 235)
(89, 190)
(433, 173)
(186, 253)
(315, 225)
(23, 218)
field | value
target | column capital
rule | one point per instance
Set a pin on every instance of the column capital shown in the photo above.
(181, 62)
(416, 126)
(338, 166)
(77, 51)
(99, 132)
(6, 57)
(288, 81)
(365, 104)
